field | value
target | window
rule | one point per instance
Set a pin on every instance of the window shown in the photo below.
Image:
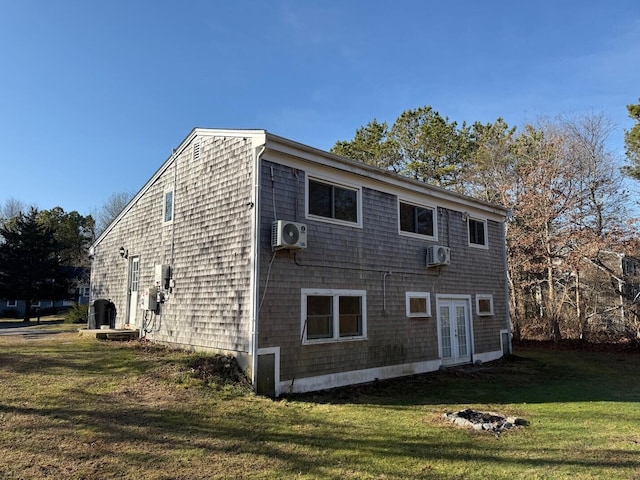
(484, 305)
(12, 303)
(84, 291)
(168, 206)
(333, 315)
(418, 304)
(477, 232)
(417, 219)
(333, 201)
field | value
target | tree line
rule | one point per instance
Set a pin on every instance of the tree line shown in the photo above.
(571, 227)
(41, 251)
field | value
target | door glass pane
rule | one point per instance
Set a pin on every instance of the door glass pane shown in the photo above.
(350, 316)
(135, 274)
(319, 323)
(462, 330)
(445, 331)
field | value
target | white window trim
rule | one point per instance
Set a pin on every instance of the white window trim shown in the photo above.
(419, 235)
(12, 303)
(164, 206)
(35, 304)
(486, 233)
(337, 183)
(304, 292)
(85, 291)
(426, 296)
(479, 297)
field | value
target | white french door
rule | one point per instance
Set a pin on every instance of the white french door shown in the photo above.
(454, 330)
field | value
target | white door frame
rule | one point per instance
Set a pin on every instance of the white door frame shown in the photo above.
(133, 287)
(453, 299)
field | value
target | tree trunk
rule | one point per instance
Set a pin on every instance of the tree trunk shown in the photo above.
(27, 311)
(554, 322)
(582, 320)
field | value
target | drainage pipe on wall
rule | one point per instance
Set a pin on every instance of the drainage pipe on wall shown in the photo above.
(255, 260)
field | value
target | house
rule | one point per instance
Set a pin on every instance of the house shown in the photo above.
(79, 294)
(611, 282)
(313, 270)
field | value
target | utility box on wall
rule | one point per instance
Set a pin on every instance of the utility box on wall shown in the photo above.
(150, 300)
(162, 276)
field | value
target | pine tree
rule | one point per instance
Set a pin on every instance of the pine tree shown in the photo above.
(30, 262)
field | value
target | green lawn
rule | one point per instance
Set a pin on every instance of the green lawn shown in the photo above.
(72, 407)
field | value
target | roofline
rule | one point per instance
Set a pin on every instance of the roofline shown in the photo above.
(287, 147)
(292, 148)
(167, 163)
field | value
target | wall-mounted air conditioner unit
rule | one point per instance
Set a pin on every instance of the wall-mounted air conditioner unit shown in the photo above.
(289, 235)
(438, 255)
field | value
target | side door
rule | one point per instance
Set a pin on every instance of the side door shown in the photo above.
(134, 281)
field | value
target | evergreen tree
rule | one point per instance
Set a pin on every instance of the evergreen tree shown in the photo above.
(30, 266)
(632, 143)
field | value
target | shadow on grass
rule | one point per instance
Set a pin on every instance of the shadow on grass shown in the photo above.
(308, 445)
(134, 428)
(537, 373)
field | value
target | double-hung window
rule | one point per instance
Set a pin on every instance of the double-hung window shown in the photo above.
(333, 315)
(417, 220)
(477, 232)
(333, 201)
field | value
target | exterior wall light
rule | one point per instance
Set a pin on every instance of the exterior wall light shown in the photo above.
(123, 252)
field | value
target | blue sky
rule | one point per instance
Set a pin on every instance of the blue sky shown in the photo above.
(94, 94)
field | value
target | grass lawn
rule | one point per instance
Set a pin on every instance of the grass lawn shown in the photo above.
(76, 408)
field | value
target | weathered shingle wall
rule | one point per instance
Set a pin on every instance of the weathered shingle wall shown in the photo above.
(344, 257)
(207, 245)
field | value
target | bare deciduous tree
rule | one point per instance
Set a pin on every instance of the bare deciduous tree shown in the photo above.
(110, 210)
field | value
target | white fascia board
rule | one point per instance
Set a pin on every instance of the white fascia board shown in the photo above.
(296, 154)
(258, 138)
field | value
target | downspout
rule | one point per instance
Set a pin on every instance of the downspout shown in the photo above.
(255, 263)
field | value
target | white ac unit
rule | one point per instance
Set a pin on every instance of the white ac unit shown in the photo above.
(438, 255)
(289, 235)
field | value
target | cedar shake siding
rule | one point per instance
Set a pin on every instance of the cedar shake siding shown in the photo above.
(355, 304)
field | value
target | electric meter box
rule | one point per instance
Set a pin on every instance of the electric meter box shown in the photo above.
(162, 276)
(150, 300)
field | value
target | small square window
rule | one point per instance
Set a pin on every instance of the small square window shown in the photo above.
(477, 232)
(12, 303)
(484, 305)
(418, 304)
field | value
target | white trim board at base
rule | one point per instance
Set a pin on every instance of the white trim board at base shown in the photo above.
(342, 379)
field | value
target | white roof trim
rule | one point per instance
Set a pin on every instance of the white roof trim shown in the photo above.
(296, 151)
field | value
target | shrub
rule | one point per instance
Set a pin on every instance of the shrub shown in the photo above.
(77, 314)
